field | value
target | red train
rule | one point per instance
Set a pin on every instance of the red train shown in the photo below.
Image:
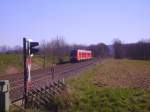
(80, 55)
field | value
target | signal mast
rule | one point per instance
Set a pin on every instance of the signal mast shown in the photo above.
(29, 48)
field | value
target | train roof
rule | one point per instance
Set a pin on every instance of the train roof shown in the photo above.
(81, 50)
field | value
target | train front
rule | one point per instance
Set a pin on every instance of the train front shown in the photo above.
(73, 56)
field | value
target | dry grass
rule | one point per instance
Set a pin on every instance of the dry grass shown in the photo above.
(124, 73)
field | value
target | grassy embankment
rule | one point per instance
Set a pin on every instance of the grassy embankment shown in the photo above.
(93, 92)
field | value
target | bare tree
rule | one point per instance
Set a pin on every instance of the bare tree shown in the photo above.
(4, 49)
(17, 49)
(56, 50)
(44, 51)
(118, 49)
(139, 50)
(99, 50)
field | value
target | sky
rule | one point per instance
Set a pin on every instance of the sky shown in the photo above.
(77, 21)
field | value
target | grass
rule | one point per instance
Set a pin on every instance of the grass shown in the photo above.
(10, 60)
(18, 109)
(15, 61)
(124, 73)
(88, 97)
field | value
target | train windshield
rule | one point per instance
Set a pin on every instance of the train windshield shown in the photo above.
(73, 53)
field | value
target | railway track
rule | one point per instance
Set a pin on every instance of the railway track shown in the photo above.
(41, 78)
(19, 76)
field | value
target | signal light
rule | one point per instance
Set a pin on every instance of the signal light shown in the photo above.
(33, 47)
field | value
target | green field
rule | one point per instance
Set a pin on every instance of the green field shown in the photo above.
(13, 63)
(10, 61)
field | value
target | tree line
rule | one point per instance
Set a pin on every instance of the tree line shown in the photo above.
(58, 50)
(139, 50)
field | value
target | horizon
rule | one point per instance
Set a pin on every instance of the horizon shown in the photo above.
(78, 22)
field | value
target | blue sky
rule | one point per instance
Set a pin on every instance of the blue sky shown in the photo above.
(78, 21)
